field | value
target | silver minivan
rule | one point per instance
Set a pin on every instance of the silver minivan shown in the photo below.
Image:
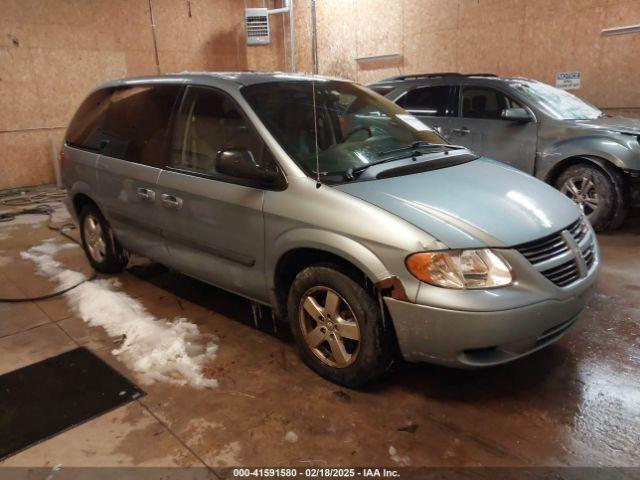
(358, 224)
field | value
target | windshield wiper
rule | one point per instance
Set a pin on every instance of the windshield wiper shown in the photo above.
(415, 145)
(414, 153)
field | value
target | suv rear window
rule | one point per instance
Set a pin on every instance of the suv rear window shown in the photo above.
(429, 101)
(128, 123)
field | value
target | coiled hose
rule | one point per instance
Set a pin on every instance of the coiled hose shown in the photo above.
(20, 198)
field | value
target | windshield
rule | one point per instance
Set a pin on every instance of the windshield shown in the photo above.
(355, 127)
(555, 102)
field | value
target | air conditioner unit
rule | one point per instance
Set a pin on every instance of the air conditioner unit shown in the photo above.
(257, 23)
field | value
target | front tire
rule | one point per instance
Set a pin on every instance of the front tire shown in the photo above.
(102, 249)
(599, 193)
(338, 327)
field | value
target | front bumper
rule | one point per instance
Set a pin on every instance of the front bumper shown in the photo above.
(480, 339)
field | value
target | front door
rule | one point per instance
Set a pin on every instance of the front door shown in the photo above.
(479, 126)
(213, 224)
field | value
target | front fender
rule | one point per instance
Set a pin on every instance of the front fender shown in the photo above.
(335, 243)
(623, 151)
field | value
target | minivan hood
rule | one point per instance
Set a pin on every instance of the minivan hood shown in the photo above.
(616, 124)
(476, 204)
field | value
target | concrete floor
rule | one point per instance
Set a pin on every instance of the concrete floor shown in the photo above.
(575, 403)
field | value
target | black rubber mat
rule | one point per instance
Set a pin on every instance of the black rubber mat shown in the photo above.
(48, 397)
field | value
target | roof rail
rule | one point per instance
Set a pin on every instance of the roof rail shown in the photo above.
(480, 75)
(422, 75)
(417, 76)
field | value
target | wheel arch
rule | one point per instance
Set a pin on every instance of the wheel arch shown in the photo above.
(291, 262)
(602, 163)
(81, 199)
(301, 248)
(619, 181)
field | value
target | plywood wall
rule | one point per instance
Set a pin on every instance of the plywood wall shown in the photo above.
(532, 38)
(53, 52)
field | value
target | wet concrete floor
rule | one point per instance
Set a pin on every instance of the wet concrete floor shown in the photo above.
(574, 403)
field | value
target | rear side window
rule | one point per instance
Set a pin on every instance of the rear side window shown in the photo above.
(479, 102)
(429, 101)
(129, 123)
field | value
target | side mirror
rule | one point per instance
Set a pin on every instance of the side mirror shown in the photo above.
(515, 115)
(242, 164)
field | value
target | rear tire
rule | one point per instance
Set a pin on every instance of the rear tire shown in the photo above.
(599, 193)
(102, 249)
(338, 327)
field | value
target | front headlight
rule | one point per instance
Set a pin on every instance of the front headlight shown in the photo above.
(460, 269)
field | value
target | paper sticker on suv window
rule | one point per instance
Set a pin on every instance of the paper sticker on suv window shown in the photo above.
(413, 122)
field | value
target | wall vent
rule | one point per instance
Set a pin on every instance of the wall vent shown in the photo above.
(257, 23)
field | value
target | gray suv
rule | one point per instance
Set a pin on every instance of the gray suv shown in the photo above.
(359, 225)
(591, 157)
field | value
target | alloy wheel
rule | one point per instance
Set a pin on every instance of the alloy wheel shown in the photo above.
(94, 238)
(583, 191)
(329, 327)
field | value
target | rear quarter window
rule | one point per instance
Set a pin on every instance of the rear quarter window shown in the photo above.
(85, 128)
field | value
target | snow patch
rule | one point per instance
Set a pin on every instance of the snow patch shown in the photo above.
(291, 437)
(170, 351)
(400, 460)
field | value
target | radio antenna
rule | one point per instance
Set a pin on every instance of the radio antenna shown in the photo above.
(315, 132)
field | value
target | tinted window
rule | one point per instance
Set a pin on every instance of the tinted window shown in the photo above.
(136, 123)
(208, 123)
(85, 129)
(128, 123)
(485, 103)
(432, 101)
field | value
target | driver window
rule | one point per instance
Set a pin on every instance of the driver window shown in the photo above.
(485, 103)
(208, 123)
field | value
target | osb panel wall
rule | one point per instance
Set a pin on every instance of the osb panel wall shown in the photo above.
(53, 52)
(533, 38)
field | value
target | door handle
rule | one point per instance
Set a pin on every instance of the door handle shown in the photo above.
(146, 194)
(171, 201)
(461, 131)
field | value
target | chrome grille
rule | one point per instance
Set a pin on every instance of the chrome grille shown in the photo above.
(563, 274)
(589, 255)
(578, 230)
(541, 250)
(555, 258)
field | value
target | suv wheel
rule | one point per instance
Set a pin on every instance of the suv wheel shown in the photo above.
(338, 327)
(599, 194)
(103, 251)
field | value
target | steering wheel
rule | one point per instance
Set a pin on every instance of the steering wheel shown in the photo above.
(357, 129)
